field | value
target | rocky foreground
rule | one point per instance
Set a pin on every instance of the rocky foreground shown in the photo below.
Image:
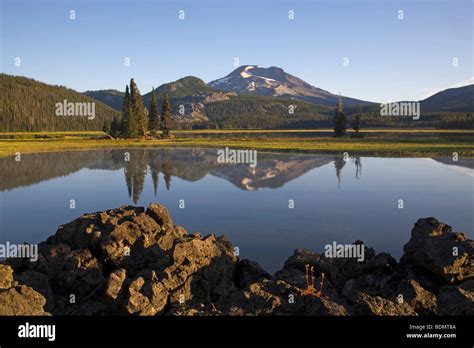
(135, 261)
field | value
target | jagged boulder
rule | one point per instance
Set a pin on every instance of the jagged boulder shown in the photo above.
(436, 250)
(129, 261)
(423, 301)
(457, 300)
(6, 276)
(16, 298)
(39, 282)
(341, 270)
(376, 305)
(248, 272)
(294, 268)
(146, 295)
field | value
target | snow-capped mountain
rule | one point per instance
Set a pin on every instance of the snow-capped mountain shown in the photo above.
(274, 81)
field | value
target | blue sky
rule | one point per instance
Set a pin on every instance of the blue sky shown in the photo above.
(389, 59)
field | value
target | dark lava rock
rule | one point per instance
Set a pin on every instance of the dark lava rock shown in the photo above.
(16, 298)
(248, 272)
(435, 249)
(376, 305)
(129, 261)
(423, 301)
(135, 261)
(457, 300)
(294, 269)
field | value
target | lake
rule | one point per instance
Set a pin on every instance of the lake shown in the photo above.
(335, 198)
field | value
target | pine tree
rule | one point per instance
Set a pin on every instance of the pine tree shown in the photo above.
(115, 127)
(340, 121)
(126, 115)
(153, 117)
(166, 116)
(138, 121)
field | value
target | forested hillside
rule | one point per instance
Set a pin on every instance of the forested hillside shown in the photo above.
(263, 112)
(29, 105)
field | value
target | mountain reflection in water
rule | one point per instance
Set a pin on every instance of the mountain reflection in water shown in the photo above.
(272, 171)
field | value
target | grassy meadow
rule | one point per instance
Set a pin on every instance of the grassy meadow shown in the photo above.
(397, 142)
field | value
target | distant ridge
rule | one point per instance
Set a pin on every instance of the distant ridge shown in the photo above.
(460, 99)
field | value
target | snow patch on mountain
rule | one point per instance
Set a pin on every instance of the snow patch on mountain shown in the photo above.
(245, 73)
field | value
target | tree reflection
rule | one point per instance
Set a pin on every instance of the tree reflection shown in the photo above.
(135, 172)
(339, 163)
(358, 164)
(154, 170)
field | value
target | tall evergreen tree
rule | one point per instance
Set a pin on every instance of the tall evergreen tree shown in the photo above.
(153, 116)
(138, 120)
(340, 120)
(126, 115)
(166, 116)
(115, 127)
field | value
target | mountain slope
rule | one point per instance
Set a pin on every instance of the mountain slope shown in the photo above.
(274, 81)
(110, 97)
(188, 97)
(30, 105)
(192, 100)
(184, 87)
(459, 99)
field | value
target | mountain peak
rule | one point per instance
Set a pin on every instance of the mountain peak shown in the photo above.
(276, 82)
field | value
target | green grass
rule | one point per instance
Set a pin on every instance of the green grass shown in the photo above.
(411, 146)
(323, 130)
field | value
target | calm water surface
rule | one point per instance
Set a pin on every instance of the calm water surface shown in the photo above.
(334, 200)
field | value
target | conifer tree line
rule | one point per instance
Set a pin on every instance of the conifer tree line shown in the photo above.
(137, 121)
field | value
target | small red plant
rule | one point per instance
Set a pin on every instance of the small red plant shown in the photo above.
(310, 288)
